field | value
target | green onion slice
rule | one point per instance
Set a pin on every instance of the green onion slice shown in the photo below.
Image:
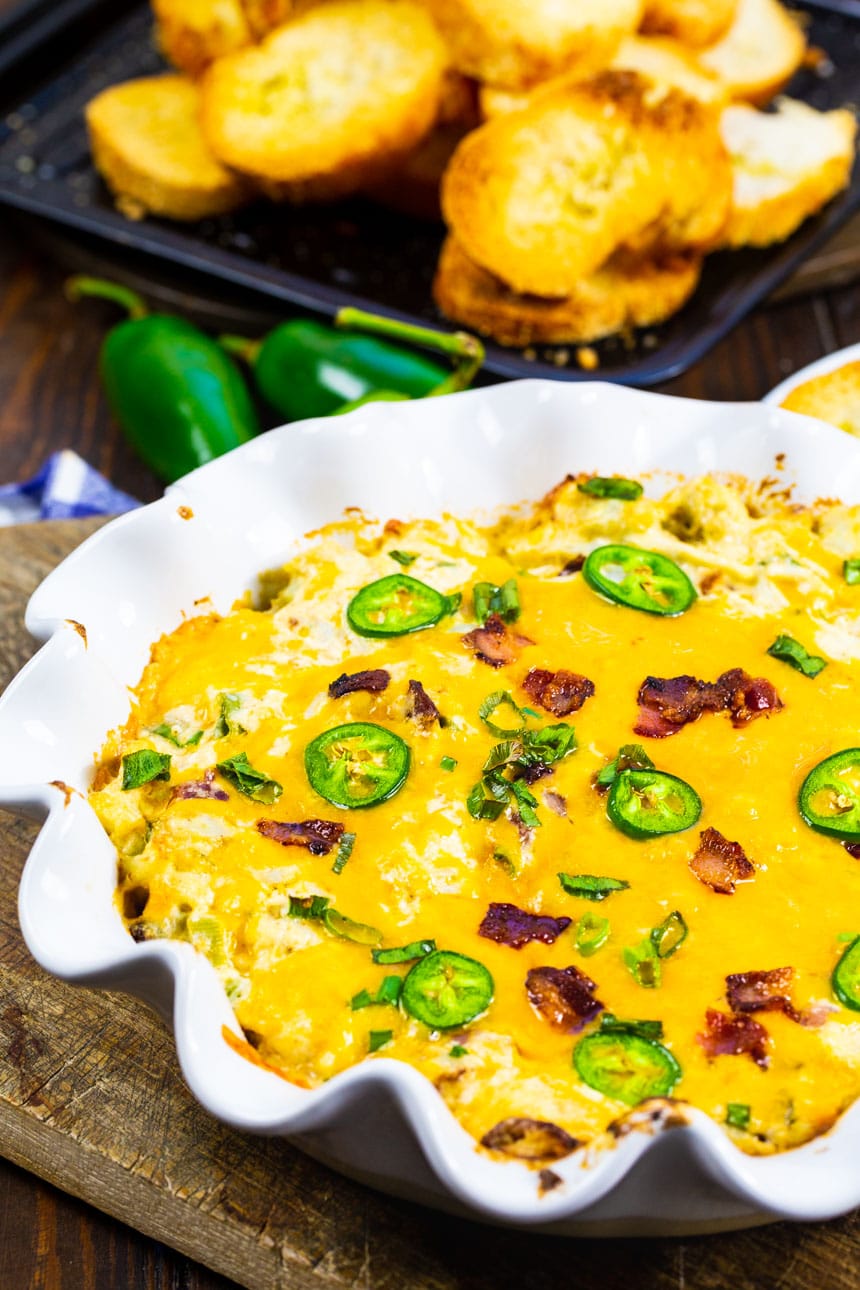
(144, 766)
(404, 953)
(253, 783)
(590, 886)
(490, 599)
(624, 490)
(737, 1115)
(790, 651)
(670, 935)
(643, 964)
(378, 1039)
(591, 934)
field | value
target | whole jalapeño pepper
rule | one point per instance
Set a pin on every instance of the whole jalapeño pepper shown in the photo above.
(180, 400)
(306, 369)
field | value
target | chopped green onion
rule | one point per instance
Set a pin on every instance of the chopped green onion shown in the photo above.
(458, 1051)
(349, 929)
(505, 863)
(212, 931)
(530, 712)
(737, 1115)
(643, 964)
(255, 784)
(448, 763)
(591, 934)
(630, 757)
(851, 572)
(405, 953)
(167, 733)
(590, 886)
(225, 725)
(790, 651)
(308, 906)
(526, 803)
(142, 767)
(361, 1000)
(344, 851)
(489, 599)
(404, 558)
(453, 602)
(388, 993)
(670, 935)
(501, 698)
(551, 744)
(624, 490)
(378, 1039)
(612, 1025)
(480, 807)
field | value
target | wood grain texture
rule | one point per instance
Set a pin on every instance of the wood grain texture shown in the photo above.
(91, 1099)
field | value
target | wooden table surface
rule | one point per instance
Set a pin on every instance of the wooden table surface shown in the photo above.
(49, 399)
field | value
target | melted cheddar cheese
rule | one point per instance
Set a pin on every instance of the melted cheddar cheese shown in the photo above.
(423, 868)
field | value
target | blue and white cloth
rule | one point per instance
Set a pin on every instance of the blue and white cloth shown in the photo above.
(65, 488)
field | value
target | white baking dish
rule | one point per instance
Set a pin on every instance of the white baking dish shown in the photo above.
(381, 1122)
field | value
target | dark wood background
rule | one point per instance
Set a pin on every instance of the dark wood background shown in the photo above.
(50, 398)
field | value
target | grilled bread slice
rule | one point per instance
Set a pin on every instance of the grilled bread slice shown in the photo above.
(834, 397)
(543, 197)
(517, 43)
(191, 33)
(695, 22)
(786, 165)
(663, 61)
(328, 102)
(626, 292)
(148, 146)
(759, 53)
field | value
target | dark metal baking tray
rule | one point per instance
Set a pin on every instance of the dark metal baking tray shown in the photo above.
(320, 258)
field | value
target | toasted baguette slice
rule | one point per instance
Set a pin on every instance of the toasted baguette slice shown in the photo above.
(695, 22)
(330, 101)
(834, 397)
(191, 33)
(624, 293)
(148, 146)
(263, 16)
(760, 52)
(664, 62)
(786, 166)
(517, 43)
(543, 197)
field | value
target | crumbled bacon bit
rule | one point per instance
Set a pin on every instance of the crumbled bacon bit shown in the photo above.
(510, 925)
(529, 1139)
(853, 849)
(205, 787)
(769, 992)
(493, 643)
(734, 1035)
(655, 1113)
(666, 704)
(563, 996)
(548, 1181)
(709, 581)
(573, 566)
(319, 836)
(374, 681)
(421, 709)
(719, 863)
(558, 692)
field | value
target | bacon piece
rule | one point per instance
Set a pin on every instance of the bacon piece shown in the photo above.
(205, 787)
(558, 692)
(509, 925)
(853, 849)
(421, 709)
(493, 643)
(748, 697)
(374, 681)
(573, 566)
(769, 992)
(666, 704)
(734, 1035)
(556, 803)
(719, 863)
(529, 1139)
(563, 996)
(319, 836)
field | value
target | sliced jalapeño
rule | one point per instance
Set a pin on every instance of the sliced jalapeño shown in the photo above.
(396, 606)
(626, 1066)
(445, 989)
(639, 579)
(648, 803)
(830, 796)
(846, 977)
(356, 765)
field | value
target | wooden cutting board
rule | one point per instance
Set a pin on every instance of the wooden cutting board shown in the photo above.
(91, 1099)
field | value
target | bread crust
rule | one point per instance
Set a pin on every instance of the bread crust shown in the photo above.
(786, 166)
(515, 44)
(695, 22)
(191, 33)
(148, 147)
(833, 397)
(625, 293)
(759, 53)
(328, 102)
(541, 198)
